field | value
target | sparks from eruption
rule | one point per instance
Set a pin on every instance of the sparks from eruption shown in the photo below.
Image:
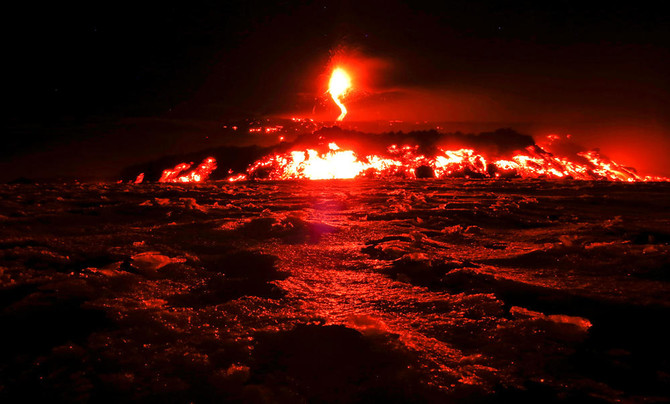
(338, 87)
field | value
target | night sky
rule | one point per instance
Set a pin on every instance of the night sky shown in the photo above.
(94, 88)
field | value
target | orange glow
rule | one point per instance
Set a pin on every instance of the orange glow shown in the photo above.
(311, 164)
(328, 160)
(180, 172)
(338, 87)
(238, 177)
(403, 162)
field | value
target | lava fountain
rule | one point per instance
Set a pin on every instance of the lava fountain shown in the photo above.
(338, 87)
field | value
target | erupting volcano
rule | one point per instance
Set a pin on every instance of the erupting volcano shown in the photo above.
(336, 202)
(333, 153)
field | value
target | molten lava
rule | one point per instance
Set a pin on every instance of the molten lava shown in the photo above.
(180, 172)
(338, 87)
(325, 159)
(407, 162)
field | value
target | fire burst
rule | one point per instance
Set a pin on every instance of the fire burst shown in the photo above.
(338, 87)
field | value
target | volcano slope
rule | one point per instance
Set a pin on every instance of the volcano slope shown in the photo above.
(335, 291)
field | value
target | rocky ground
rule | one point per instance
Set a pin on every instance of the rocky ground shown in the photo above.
(335, 291)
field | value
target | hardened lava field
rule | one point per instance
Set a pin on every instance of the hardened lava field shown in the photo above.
(336, 291)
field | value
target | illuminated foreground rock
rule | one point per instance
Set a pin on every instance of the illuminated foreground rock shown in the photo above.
(335, 291)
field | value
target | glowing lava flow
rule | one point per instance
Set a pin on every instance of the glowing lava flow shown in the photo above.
(339, 85)
(329, 161)
(180, 172)
(407, 162)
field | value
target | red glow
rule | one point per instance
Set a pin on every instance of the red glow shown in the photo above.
(180, 172)
(404, 161)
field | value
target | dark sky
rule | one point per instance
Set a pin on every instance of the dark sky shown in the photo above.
(95, 87)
